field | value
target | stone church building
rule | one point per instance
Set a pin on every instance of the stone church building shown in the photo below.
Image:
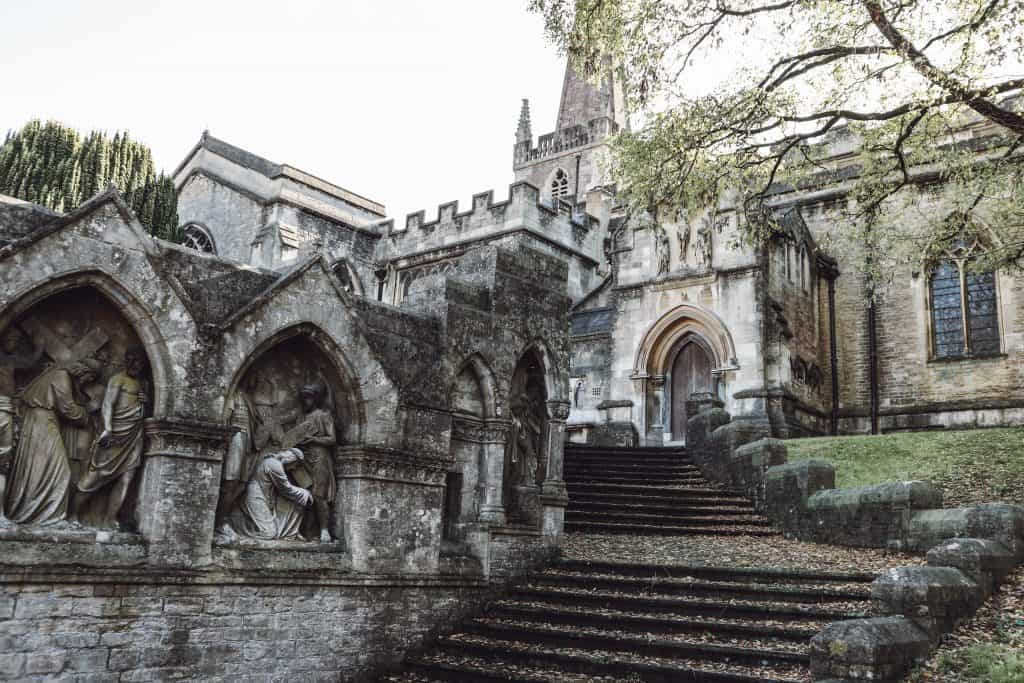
(311, 436)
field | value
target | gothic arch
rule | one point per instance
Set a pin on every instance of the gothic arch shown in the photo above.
(656, 349)
(131, 309)
(354, 407)
(558, 186)
(552, 386)
(484, 379)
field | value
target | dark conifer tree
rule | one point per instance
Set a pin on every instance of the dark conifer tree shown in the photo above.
(53, 165)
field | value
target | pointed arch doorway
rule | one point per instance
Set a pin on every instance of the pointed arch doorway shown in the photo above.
(690, 372)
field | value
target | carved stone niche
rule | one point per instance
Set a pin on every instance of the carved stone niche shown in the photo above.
(75, 389)
(291, 409)
(526, 452)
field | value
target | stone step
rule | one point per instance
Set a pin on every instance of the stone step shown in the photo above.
(666, 530)
(611, 663)
(631, 465)
(667, 510)
(701, 588)
(575, 515)
(722, 609)
(556, 637)
(680, 492)
(514, 667)
(711, 573)
(641, 479)
(645, 623)
(681, 500)
(646, 451)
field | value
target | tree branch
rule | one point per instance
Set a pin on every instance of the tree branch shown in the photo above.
(973, 98)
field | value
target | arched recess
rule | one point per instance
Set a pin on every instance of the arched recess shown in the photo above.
(472, 403)
(558, 186)
(658, 352)
(348, 277)
(530, 389)
(135, 314)
(689, 372)
(661, 338)
(76, 320)
(306, 353)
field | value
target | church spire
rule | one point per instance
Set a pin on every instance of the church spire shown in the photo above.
(524, 133)
(583, 101)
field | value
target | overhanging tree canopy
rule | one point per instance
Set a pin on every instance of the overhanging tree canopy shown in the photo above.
(904, 78)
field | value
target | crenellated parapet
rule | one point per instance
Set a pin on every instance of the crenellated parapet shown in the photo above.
(558, 223)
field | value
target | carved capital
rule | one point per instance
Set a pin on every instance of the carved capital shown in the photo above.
(558, 410)
(389, 464)
(658, 381)
(480, 431)
(188, 439)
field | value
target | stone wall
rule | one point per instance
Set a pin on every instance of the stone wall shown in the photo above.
(292, 444)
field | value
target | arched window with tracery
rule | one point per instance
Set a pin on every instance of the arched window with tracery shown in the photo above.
(559, 185)
(198, 238)
(964, 306)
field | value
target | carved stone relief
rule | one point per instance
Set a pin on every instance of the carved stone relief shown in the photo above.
(525, 452)
(291, 409)
(74, 391)
(662, 250)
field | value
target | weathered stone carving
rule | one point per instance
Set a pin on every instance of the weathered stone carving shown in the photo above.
(238, 461)
(117, 453)
(273, 506)
(683, 237)
(37, 490)
(661, 249)
(279, 405)
(11, 360)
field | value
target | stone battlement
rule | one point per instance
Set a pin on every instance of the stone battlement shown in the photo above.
(564, 140)
(523, 209)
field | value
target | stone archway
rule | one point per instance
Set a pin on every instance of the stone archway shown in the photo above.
(526, 455)
(78, 381)
(666, 342)
(295, 392)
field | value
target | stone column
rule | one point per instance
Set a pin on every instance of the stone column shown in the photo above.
(494, 436)
(656, 421)
(388, 509)
(179, 489)
(553, 494)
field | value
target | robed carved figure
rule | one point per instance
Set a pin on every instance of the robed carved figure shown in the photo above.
(37, 488)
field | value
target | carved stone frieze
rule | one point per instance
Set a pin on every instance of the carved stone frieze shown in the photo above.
(186, 439)
(558, 410)
(367, 462)
(480, 431)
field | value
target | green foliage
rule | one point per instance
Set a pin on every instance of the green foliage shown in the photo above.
(52, 165)
(994, 663)
(747, 98)
(970, 466)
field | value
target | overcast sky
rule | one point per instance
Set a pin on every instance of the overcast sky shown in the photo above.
(408, 102)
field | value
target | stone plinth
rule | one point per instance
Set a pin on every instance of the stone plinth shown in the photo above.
(881, 649)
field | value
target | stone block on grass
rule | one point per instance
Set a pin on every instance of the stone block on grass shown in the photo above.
(879, 649)
(787, 488)
(1000, 522)
(986, 562)
(935, 598)
(749, 465)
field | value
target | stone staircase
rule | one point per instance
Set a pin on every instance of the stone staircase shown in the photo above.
(608, 620)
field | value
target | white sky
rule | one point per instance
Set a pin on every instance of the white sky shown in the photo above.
(408, 102)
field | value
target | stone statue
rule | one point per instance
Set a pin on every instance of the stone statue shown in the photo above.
(11, 360)
(273, 506)
(577, 392)
(314, 434)
(704, 244)
(661, 248)
(239, 461)
(40, 476)
(526, 433)
(683, 237)
(117, 453)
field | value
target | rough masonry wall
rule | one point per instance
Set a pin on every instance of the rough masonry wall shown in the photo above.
(231, 217)
(105, 626)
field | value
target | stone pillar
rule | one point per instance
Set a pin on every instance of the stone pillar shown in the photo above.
(494, 436)
(388, 509)
(656, 420)
(553, 494)
(179, 490)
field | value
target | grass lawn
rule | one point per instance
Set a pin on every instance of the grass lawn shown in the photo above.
(970, 466)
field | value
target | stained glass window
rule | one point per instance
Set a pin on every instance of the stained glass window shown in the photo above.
(965, 316)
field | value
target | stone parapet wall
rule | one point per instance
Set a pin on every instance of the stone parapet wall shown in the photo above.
(103, 625)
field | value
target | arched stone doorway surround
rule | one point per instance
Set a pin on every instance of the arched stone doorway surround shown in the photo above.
(687, 328)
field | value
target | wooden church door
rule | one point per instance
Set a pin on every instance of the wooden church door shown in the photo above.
(691, 373)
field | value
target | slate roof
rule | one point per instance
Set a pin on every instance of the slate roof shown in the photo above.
(594, 321)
